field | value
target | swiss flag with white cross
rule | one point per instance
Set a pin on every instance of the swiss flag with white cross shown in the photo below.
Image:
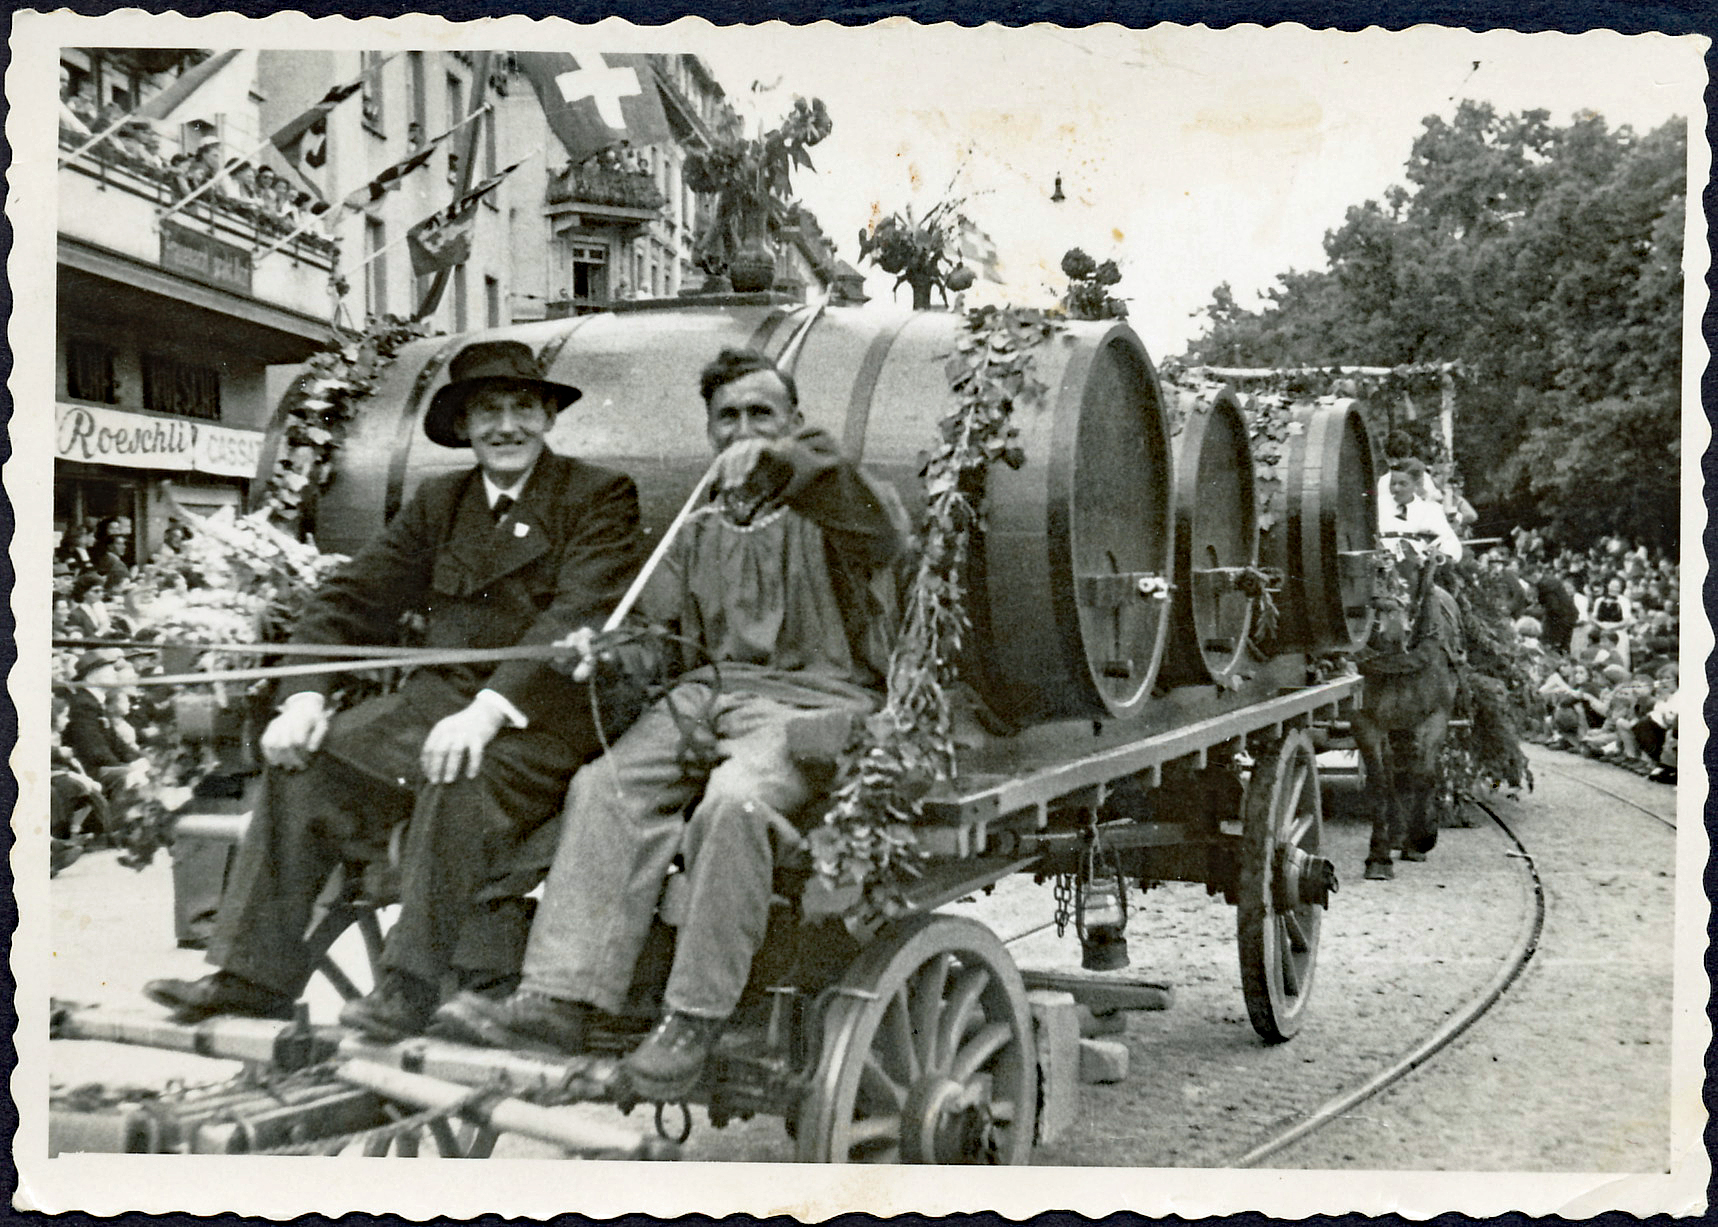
(595, 101)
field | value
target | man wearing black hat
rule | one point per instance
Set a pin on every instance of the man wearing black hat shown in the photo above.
(523, 549)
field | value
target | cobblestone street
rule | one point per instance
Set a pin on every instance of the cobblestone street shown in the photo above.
(1396, 959)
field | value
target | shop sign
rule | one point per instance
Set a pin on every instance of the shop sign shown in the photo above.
(134, 441)
(205, 258)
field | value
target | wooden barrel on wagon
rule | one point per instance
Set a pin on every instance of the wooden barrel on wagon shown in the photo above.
(1216, 542)
(1323, 532)
(1060, 592)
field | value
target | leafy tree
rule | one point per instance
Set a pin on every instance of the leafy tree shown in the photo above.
(1547, 260)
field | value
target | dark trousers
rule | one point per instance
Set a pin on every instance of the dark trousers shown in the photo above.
(471, 848)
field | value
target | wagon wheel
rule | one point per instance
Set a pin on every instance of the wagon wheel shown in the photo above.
(928, 1054)
(1284, 886)
(347, 909)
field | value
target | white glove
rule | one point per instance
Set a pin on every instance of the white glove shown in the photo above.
(297, 732)
(457, 742)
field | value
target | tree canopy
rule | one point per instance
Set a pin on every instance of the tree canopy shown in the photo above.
(1547, 260)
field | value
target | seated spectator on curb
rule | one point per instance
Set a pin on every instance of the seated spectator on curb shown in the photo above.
(88, 617)
(1575, 706)
(1656, 734)
(780, 581)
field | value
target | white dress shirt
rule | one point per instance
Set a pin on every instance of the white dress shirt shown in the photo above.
(1420, 516)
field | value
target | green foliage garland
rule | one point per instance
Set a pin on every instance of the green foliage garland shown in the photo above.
(866, 835)
(319, 405)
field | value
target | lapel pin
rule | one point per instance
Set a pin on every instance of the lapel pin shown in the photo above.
(520, 529)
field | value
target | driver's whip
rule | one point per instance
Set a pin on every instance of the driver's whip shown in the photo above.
(661, 551)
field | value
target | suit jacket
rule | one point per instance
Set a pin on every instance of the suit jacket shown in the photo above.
(561, 560)
(90, 735)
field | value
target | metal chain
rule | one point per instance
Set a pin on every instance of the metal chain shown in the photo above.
(1063, 894)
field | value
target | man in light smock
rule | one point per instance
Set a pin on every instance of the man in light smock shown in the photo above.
(781, 581)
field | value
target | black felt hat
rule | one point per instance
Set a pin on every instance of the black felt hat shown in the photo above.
(478, 366)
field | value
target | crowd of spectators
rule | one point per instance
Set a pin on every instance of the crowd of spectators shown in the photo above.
(256, 195)
(97, 763)
(1602, 628)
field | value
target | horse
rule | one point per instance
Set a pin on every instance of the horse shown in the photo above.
(1410, 663)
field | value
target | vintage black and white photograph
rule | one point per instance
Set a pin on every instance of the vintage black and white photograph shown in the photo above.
(1115, 601)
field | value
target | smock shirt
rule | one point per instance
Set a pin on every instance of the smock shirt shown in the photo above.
(801, 597)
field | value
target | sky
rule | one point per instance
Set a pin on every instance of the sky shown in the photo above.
(1191, 156)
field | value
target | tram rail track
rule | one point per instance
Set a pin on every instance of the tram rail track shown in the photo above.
(1438, 1040)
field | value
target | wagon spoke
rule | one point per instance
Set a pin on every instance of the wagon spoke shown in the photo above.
(874, 1081)
(873, 1129)
(927, 1008)
(991, 1039)
(1294, 829)
(899, 1020)
(1296, 932)
(961, 1006)
(1290, 973)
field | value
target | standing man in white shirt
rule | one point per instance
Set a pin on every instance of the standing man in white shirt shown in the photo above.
(1406, 514)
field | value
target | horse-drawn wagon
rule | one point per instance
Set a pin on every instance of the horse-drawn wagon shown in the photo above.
(1146, 666)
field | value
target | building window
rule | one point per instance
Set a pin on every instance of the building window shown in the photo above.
(455, 113)
(491, 302)
(370, 94)
(376, 271)
(419, 117)
(89, 371)
(461, 318)
(172, 386)
(590, 272)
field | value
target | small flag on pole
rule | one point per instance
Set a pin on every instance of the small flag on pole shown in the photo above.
(162, 105)
(303, 140)
(443, 239)
(979, 249)
(392, 177)
(598, 101)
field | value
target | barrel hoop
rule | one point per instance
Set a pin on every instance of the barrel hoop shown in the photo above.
(395, 494)
(765, 332)
(865, 389)
(552, 351)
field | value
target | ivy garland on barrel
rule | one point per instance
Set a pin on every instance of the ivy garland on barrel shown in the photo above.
(318, 407)
(866, 837)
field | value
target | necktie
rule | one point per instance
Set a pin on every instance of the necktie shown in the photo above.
(503, 505)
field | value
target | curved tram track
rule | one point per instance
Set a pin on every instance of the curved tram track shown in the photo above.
(1441, 1038)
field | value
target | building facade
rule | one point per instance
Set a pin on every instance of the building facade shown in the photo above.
(182, 306)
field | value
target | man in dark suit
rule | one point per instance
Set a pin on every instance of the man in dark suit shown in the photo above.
(524, 549)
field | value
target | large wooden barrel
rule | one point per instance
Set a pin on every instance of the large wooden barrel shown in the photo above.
(1061, 626)
(1216, 541)
(1323, 535)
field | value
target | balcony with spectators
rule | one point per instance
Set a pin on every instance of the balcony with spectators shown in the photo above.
(115, 196)
(608, 190)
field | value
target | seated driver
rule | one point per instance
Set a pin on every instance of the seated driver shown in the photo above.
(781, 581)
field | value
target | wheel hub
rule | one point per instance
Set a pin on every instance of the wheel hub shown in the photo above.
(945, 1121)
(1303, 878)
